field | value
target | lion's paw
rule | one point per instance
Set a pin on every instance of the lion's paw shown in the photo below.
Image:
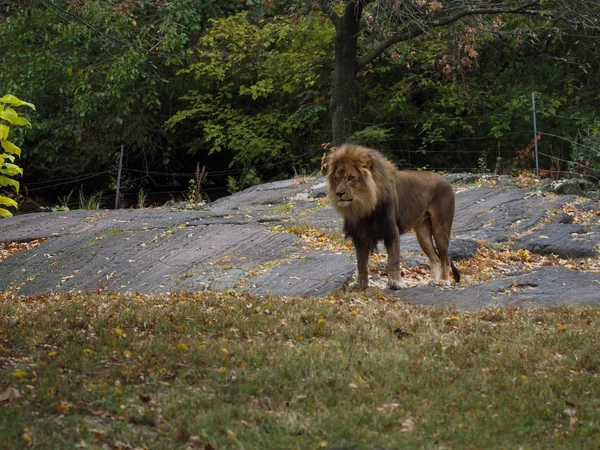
(396, 284)
(356, 286)
(440, 283)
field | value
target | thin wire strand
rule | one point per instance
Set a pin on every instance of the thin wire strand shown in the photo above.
(64, 184)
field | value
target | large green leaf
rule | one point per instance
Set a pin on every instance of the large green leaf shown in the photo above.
(8, 202)
(9, 147)
(4, 131)
(5, 213)
(14, 101)
(4, 156)
(11, 170)
(5, 181)
(10, 115)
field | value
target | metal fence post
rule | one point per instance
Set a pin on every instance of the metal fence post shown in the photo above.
(119, 178)
(535, 144)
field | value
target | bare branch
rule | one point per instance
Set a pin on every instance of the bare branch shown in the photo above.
(327, 8)
(421, 28)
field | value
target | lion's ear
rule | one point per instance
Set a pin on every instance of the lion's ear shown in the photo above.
(366, 161)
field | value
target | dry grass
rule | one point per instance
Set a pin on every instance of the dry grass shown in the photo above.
(348, 371)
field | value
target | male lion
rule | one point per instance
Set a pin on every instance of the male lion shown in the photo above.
(379, 203)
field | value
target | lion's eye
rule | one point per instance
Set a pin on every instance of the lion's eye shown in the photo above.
(350, 178)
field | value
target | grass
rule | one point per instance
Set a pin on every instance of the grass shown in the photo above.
(348, 371)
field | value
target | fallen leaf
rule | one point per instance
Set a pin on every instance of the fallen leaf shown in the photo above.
(571, 411)
(9, 395)
(63, 407)
(120, 445)
(27, 438)
(407, 426)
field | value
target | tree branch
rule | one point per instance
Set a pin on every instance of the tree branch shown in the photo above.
(327, 8)
(418, 30)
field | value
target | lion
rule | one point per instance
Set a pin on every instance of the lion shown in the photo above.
(378, 202)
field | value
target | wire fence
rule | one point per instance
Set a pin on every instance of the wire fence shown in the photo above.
(554, 164)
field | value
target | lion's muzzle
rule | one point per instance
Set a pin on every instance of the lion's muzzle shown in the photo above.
(342, 198)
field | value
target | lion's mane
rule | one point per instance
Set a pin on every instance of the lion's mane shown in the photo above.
(373, 197)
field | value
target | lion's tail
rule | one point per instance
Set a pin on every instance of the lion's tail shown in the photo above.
(455, 272)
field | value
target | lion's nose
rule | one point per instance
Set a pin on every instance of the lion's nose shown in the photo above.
(340, 194)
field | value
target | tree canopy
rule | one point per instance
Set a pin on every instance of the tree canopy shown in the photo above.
(252, 89)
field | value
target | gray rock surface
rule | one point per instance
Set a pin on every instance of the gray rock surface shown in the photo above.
(573, 186)
(269, 240)
(549, 286)
(565, 240)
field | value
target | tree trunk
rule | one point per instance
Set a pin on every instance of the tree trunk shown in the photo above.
(344, 95)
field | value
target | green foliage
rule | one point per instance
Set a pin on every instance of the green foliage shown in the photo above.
(248, 177)
(8, 168)
(101, 74)
(258, 87)
(371, 135)
(255, 86)
(90, 202)
(586, 154)
(463, 99)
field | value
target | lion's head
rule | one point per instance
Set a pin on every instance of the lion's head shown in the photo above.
(352, 187)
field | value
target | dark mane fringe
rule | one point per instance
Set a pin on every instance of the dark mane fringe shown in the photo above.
(369, 230)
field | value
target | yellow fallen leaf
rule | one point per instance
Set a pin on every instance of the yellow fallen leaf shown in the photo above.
(27, 438)
(19, 374)
(52, 353)
(360, 378)
(223, 370)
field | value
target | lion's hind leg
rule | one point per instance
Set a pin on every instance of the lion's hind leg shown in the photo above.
(425, 237)
(441, 242)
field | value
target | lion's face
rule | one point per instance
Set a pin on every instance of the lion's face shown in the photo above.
(352, 190)
(347, 181)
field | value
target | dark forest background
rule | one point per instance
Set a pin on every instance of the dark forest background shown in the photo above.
(249, 91)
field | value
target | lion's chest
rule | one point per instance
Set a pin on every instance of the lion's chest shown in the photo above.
(368, 230)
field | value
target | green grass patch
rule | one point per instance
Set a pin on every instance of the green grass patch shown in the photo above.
(349, 371)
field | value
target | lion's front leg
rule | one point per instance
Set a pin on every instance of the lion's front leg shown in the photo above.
(393, 266)
(362, 265)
